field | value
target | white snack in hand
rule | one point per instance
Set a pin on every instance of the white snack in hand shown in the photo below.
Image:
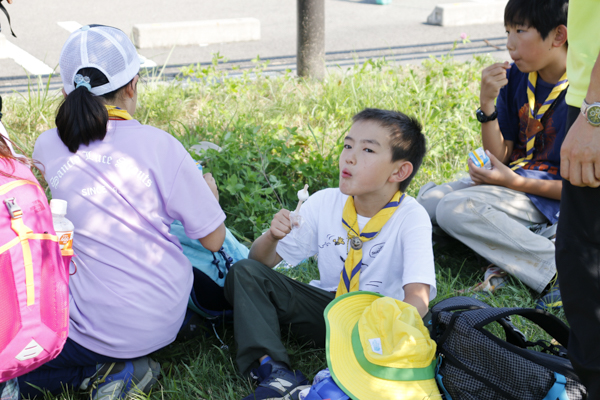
(303, 194)
(302, 197)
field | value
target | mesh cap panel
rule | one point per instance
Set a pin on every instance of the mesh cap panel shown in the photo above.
(102, 47)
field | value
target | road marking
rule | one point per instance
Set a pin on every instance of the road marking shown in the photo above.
(23, 58)
(72, 26)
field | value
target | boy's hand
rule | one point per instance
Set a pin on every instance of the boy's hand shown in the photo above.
(212, 184)
(493, 78)
(499, 175)
(281, 225)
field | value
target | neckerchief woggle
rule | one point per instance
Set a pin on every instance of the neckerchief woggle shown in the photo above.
(118, 112)
(534, 124)
(350, 275)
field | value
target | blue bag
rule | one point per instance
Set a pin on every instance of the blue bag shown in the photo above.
(214, 265)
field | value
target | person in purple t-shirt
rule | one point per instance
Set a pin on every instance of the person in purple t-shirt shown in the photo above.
(125, 183)
(494, 214)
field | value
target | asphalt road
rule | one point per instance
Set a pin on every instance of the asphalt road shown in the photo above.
(354, 28)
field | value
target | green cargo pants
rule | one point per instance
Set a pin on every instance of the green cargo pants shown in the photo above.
(265, 302)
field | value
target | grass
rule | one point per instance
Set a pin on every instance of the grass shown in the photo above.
(279, 133)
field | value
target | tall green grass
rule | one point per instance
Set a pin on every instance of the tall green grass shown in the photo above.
(279, 132)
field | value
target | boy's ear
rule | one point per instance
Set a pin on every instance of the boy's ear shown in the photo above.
(401, 172)
(560, 36)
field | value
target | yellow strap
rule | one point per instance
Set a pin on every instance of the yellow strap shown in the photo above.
(10, 244)
(23, 232)
(7, 187)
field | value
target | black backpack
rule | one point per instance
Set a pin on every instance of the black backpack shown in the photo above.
(473, 363)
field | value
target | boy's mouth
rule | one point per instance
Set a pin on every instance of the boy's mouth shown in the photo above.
(346, 173)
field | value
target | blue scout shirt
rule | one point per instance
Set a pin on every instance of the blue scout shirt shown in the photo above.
(513, 114)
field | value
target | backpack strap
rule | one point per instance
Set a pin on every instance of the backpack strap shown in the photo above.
(23, 233)
(548, 322)
(558, 391)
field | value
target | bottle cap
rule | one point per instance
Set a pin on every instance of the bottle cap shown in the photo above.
(58, 206)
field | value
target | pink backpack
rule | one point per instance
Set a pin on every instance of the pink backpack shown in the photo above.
(34, 276)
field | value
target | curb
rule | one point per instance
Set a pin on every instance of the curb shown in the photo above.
(468, 13)
(169, 34)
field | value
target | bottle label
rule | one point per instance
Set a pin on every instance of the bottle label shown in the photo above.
(65, 240)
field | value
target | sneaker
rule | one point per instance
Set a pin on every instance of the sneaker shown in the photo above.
(117, 380)
(277, 383)
(551, 300)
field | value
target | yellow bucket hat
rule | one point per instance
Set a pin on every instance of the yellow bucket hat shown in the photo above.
(378, 348)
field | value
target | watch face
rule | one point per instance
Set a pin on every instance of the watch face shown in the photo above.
(593, 115)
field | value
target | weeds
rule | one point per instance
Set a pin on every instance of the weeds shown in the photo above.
(278, 133)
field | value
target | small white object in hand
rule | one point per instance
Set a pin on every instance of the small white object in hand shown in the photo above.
(302, 197)
(303, 194)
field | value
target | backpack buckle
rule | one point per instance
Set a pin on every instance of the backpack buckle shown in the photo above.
(13, 208)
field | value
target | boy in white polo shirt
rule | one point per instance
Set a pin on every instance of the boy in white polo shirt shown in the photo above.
(367, 234)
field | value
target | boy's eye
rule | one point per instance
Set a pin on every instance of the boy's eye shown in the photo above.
(347, 146)
(369, 150)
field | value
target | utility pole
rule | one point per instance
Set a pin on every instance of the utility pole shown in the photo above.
(311, 38)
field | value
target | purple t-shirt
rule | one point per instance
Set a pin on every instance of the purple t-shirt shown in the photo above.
(130, 292)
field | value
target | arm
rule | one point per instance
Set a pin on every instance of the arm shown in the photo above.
(214, 240)
(417, 294)
(580, 152)
(264, 248)
(493, 78)
(501, 175)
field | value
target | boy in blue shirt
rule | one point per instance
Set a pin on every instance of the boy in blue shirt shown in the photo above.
(368, 235)
(522, 135)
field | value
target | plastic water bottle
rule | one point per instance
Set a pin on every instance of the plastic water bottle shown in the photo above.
(63, 227)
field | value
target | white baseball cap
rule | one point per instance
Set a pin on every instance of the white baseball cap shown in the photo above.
(102, 47)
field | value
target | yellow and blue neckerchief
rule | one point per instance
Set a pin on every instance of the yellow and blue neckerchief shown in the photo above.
(350, 275)
(534, 124)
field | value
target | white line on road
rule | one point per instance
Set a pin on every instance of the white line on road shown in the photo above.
(72, 26)
(23, 58)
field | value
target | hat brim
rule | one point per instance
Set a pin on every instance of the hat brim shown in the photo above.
(341, 317)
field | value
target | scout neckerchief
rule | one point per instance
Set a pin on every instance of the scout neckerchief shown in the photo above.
(534, 124)
(351, 273)
(116, 112)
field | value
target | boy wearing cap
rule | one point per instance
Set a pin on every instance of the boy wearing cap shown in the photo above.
(367, 235)
(522, 134)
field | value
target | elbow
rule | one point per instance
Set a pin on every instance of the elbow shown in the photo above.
(214, 241)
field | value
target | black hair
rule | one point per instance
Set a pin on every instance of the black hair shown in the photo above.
(406, 137)
(82, 116)
(543, 15)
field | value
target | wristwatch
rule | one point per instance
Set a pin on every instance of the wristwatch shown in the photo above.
(591, 112)
(481, 117)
